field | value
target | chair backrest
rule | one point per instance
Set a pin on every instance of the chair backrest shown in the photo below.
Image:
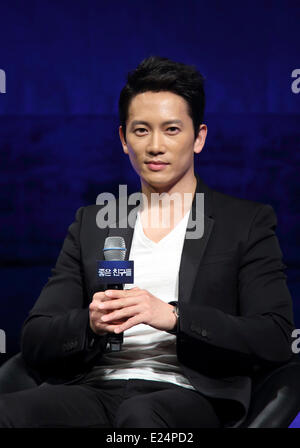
(275, 400)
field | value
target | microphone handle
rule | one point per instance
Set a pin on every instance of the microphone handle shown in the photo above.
(115, 340)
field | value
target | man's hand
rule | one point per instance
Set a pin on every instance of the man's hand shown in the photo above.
(97, 325)
(118, 310)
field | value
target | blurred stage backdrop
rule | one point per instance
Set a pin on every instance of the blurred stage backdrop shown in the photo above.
(65, 64)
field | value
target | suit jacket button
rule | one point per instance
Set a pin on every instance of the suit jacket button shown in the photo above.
(204, 333)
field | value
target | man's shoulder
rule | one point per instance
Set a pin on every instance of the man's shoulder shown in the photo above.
(97, 217)
(223, 202)
(91, 208)
(89, 213)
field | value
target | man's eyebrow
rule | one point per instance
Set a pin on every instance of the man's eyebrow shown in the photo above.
(135, 122)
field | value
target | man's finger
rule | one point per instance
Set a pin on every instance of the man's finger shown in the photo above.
(108, 327)
(119, 293)
(98, 296)
(117, 304)
(135, 320)
(121, 314)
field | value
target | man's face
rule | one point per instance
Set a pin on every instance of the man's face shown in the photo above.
(169, 146)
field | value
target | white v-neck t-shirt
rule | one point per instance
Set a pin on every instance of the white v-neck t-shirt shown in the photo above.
(148, 353)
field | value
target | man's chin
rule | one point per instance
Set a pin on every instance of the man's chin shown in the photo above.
(157, 182)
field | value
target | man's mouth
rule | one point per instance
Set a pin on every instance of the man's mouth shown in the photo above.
(156, 165)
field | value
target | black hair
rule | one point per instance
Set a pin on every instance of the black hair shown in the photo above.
(162, 74)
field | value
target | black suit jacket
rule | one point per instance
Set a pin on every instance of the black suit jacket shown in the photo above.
(236, 315)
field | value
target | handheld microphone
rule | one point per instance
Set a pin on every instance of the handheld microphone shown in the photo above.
(115, 250)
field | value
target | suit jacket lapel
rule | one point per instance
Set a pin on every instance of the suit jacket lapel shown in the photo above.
(193, 249)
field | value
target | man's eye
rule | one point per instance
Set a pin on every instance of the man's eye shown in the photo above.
(171, 127)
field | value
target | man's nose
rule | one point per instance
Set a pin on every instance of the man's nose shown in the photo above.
(156, 145)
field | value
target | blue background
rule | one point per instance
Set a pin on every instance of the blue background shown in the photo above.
(65, 64)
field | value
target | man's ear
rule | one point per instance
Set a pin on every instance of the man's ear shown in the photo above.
(200, 140)
(124, 144)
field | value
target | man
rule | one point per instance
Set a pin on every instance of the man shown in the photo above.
(189, 368)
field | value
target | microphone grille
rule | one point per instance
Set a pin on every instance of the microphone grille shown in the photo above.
(114, 248)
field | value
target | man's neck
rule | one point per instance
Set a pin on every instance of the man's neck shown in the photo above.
(177, 202)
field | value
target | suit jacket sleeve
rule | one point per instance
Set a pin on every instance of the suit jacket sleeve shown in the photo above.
(260, 335)
(56, 337)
